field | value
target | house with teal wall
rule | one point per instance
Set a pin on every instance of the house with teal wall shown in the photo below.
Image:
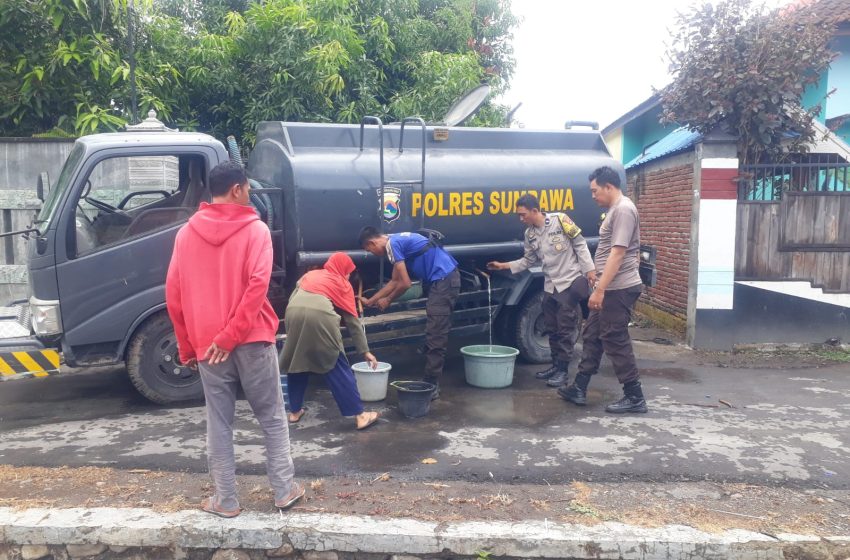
(629, 136)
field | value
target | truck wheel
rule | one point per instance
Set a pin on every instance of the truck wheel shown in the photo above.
(530, 332)
(504, 328)
(531, 340)
(153, 364)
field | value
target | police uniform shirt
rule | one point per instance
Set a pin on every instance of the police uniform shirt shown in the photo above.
(620, 228)
(431, 267)
(560, 248)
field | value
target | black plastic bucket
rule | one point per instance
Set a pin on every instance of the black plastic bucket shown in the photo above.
(414, 397)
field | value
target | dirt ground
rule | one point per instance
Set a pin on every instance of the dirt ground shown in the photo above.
(704, 505)
(779, 359)
(668, 344)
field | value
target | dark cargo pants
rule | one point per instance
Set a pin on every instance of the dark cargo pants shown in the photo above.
(607, 331)
(560, 317)
(442, 295)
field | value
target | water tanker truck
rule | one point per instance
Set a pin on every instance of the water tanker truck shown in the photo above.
(99, 248)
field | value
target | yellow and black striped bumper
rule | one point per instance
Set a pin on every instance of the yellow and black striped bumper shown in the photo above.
(30, 363)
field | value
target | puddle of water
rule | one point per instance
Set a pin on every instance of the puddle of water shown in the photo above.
(379, 452)
(503, 408)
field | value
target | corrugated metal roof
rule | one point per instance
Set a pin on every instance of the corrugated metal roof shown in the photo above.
(677, 141)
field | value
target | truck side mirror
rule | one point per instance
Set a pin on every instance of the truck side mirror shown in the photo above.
(42, 187)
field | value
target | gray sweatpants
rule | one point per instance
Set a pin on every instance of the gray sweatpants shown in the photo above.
(254, 366)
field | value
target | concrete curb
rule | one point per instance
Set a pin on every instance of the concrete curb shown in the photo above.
(143, 528)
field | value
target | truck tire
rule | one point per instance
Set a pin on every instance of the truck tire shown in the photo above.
(504, 328)
(529, 331)
(154, 367)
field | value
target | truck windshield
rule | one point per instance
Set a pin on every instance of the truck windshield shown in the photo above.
(49, 208)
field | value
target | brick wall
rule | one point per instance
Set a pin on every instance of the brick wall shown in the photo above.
(664, 198)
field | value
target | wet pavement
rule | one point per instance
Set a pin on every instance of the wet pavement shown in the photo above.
(787, 426)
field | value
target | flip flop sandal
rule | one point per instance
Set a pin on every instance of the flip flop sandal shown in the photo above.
(300, 416)
(296, 494)
(208, 506)
(371, 422)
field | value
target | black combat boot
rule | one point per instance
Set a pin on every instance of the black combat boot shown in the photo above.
(577, 392)
(546, 373)
(632, 400)
(560, 376)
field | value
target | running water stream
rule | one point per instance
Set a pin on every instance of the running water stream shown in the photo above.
(489, 309)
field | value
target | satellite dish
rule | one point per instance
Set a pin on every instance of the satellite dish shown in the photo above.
(467, 105)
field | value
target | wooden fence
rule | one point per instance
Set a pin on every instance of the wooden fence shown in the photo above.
(813, 221)
(804, 236)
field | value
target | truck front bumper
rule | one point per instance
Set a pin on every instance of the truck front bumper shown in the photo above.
(22, 355)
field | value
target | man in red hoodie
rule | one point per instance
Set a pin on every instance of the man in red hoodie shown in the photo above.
(225, 326)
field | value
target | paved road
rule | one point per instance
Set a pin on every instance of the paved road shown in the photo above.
(789, 426)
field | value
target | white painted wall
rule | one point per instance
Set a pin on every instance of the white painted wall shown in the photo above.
(716, 255)
(801, 290)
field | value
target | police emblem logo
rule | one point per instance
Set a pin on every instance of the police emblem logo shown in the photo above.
(392, 203)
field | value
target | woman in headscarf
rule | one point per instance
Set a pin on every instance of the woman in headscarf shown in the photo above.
(314, 342)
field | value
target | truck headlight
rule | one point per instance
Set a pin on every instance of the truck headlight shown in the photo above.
(46, 319)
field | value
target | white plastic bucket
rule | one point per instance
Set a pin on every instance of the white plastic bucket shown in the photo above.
(372, 383)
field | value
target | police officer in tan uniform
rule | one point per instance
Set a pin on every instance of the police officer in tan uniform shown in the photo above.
(614, 297)
(555, 241)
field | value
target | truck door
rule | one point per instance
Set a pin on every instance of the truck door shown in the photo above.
(119, 227)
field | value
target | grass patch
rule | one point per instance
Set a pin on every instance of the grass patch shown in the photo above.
(584, 509)
(837, 355)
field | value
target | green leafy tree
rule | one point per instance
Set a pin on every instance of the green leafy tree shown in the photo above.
(224, 65)
(438, 81)
(210, 15)
(57, 62)
(744, 68)
(445, 49)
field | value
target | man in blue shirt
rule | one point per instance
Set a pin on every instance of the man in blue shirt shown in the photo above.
(412, 254)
